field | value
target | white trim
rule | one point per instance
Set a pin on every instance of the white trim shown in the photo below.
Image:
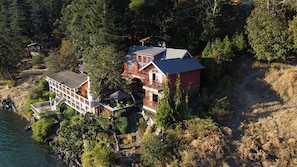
(150, 89)
(150, 109)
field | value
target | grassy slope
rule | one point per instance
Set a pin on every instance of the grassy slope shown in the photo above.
(265, 119)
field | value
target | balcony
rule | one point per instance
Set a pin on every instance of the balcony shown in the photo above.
(153, 85)
(152, 105)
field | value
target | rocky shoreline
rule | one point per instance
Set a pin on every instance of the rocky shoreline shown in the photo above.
(17, 94)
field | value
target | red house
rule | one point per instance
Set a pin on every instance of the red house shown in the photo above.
(152, 65)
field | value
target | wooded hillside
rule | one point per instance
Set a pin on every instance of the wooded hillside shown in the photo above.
(255, 100)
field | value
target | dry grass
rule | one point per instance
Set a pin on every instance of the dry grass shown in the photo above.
(270, 136)
(207, 149)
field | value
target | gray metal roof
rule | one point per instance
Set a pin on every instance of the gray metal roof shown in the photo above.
(167, 53)
(175, 53)
(136, 48)
(151, 51)
(131, 55)
(70, 79)
(175, 66)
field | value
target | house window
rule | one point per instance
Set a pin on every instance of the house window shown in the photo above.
(149, 59)
(144, 59)
(155, 98)
(139, 58)
(154, 77)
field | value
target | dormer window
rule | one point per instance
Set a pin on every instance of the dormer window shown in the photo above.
(144, 59)
(139, 58)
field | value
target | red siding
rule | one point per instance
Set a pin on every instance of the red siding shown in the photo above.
(133, 71)
(84, 89)
(191, 78)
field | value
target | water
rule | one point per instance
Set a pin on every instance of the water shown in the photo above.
(18, 149)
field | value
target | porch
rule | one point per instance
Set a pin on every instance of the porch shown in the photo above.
(45, 108)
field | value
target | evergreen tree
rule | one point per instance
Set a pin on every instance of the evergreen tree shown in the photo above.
(105, 69)
(221, 51)
(150, 17)
(164, 113)
(11, 36)
(181, 109)
(238, 42)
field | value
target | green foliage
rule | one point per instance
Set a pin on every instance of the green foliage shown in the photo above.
(104, 69)
(73, 132)
(97, 154)
(69, 113)
(154, 150)
(181, 109)
(10, 83)
(121, 124)
(64, 59)
(293, 32)
(43, 85)
(164, 113)
(40, 91)
(42, 128)
(197, 126)
(238, 42)
(38, 59)
(27, 107)
(214, 107)
(172, 109)
(268, 35)
(219, 105)
(135, 4)
(105, 122)
(12, 36)
(207, 51)
(141, 126)
(221, 51)
(218, 59)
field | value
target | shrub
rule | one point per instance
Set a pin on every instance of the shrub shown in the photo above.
(69, 113)
(27, 107)
(119, 105)
(105, 123)
(128, 139)
(43, 85)
(154, 150)
(196, 126)
(97, 154)
(141, 126)
(122, 124)
(38, 59)
(10, 83)
(42, 128)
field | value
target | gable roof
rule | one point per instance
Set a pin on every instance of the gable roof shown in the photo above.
(166, 53)
(175, 53)
(70, 79)
(175, 66)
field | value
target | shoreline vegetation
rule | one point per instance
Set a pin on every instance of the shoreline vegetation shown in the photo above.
(253, 108)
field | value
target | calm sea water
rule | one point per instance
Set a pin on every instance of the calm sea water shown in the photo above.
(18, 149)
